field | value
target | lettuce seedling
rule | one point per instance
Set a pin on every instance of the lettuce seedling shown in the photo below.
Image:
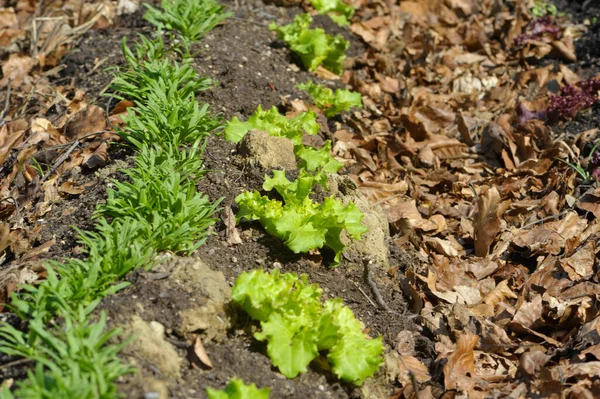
(276, 124)
(337, 10)
(236, 389)
(297, 325)
(313, 46)
(279, 125)
(329, 102)
(301, 223)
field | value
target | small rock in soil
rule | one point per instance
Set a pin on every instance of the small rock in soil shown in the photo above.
(373, 243)
(268, 151)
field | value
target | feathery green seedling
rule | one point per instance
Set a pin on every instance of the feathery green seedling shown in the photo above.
(329, 102)
(158, 209)
(192, 19)
(161, 196)
(163, 121)
(75, 361)
(145, 77)
(85, 281)
(337, 10)
(313, 46)
(279, 125)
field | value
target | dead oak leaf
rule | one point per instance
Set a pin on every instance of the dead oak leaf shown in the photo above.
(10, 135)
(16, 68)
(487, 221)
(90, 120)
(461, 364)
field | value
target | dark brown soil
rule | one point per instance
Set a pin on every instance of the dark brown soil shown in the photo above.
(252, 68)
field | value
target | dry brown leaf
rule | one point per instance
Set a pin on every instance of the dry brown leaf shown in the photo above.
(487, 221)
(90, 120)
(233, 235)
(499, 294)
(531, 362)
(580, 265)
(72, 188)
(16, 68)
(461, 364)
(200, 352)
(10, 135)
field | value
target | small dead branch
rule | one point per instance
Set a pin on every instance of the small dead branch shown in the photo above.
(6, 104)
(373, 286)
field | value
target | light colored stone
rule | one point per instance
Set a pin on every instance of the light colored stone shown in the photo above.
(209, 292)
(148, 343)
(374, 243)
(268, 151)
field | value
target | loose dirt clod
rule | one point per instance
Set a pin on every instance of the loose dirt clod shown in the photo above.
(208, 295)
(374, 243)
(148, 344)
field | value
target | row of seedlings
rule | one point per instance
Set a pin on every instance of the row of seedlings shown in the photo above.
(157, 209)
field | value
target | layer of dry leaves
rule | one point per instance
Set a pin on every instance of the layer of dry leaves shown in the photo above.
(46, 130)
(508, 236)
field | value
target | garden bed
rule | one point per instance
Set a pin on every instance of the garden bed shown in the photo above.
(479, 269)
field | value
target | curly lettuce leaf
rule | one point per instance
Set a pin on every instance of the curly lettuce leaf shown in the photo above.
(313, 46)
(236, 389)
(300, 325)
(356, 357)
(279, 125)
(312, 159)
(259, 294)
(273, 123)
(338, 11)
(299, 222)
(329, 102)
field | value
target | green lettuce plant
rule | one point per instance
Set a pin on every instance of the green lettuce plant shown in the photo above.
(279, 125)
(298, 221)
(337, 10)
(236, 389)
(329, 102)
(297, 325)
(313, 46)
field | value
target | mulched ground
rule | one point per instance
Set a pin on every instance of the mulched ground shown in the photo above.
(252, 68)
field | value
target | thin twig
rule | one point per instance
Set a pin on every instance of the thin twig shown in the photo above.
(6, 104)
(544, 220)
(411, 376)
(366, 296)
(59, 161)
(374, 287)
(15, 363)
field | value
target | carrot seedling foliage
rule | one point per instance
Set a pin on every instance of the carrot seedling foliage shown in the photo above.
(236, 389)
(313, 46)
(329, 102)
(297, 325)
(192, 19)
(299, 222)
(279, 125)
